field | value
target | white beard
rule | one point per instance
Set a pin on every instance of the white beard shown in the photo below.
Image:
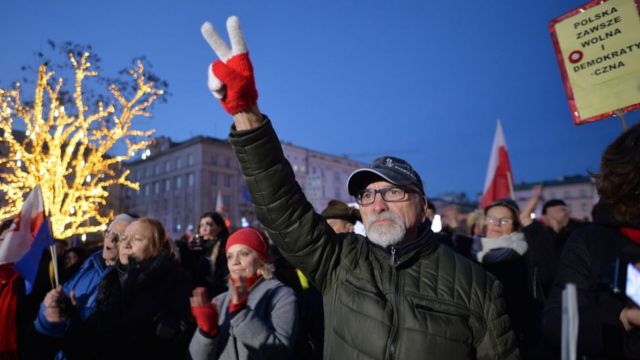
(385, 234)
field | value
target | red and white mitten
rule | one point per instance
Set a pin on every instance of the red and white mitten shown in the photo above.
(231, 76)
(207, 318)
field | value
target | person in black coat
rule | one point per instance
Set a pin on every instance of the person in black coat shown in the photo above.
(503, 253)
(596, 255)
(203, 254)
(141, 311)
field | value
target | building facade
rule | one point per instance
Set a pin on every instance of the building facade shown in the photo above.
(180, 181)
(577, 191)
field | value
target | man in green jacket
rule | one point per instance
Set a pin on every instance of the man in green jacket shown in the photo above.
(395, 294)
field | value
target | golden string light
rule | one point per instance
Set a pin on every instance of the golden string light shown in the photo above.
(66, 151)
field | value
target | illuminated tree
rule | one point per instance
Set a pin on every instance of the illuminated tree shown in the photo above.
(65, 150)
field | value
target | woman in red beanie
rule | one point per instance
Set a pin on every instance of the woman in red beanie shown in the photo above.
(256, 318)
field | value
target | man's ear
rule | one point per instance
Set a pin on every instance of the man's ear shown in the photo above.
(349, 227)
(425, 208)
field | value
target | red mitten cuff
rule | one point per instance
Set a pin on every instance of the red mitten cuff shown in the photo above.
(207, 318)
(237, 307)
(237, 75)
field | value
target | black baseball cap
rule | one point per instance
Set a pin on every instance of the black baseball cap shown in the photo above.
(389, 168)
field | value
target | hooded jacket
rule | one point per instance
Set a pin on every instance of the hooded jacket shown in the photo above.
(418, 301)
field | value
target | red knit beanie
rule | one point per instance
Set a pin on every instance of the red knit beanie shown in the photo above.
(249, 237)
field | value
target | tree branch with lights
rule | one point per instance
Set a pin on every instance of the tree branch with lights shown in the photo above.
(66, 151)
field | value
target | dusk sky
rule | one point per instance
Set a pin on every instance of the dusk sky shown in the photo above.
(422, 80)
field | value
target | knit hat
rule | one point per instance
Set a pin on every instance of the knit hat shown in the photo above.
(249, 237)
(389, 168)
(337, 209)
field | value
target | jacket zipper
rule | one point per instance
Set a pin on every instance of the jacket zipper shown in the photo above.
(393, 336)
(394, 258)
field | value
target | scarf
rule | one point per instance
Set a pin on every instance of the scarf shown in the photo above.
(631, 233)
(509, 243)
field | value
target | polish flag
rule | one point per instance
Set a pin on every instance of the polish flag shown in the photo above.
(221, 210)
(28, 237)
(499, 180)
(219, 203)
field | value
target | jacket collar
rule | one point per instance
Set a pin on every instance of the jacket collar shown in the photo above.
(425, 243)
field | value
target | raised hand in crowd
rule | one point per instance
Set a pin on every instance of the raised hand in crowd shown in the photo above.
(525, 214)
(205, 312)
(231, 77)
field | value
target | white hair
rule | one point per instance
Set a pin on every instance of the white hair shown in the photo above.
(124, 218)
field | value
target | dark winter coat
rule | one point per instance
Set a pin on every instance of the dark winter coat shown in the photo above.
(143, 313)
(590, 260)
(414, 302)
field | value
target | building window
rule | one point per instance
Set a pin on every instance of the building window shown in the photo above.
(583, 193)
(214, 179)
(156, 186)
(336, 176)
(167, 166)
(226, 199)
(227, 180)
(178, 182)
(157, 169)
(190, 159)
(145, 188)
(214, 159)
(167, 185)
(227, 162)
(178, 163)
(190, 180)
(567, 194)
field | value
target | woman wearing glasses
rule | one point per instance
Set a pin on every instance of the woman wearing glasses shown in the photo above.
(503, 252)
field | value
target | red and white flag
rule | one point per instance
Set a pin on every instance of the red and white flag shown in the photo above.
(24, 228)
(28, 237)
(499, 180)
(219, 203)
(221, 210)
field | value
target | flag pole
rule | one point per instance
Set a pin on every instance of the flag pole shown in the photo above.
(510, 180)
(52, 248)
(620, 114)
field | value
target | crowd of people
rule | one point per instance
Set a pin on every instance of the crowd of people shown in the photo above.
(307, 286)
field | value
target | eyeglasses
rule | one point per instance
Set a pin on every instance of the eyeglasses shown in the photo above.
(390, 194)
(115, 236)
(498, 221)
(132, 237)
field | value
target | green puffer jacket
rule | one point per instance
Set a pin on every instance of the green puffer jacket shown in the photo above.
(419, 301)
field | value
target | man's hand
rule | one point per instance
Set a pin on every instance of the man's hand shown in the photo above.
(231, 77)
(630, 317)
(56, 303)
